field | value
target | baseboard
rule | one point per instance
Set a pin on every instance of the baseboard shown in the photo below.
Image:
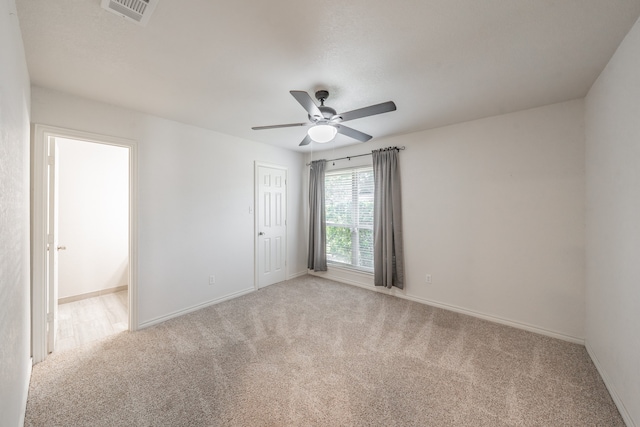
(92, 294)
(346, 275)
(298, 274)
(496, 319)
(179, 313)
(491, 318)
(25, 391)
(612, 389)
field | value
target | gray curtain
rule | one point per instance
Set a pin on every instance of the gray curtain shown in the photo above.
(317, 258)
(388, 253)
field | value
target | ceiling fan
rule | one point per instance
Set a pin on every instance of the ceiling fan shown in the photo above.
(325, 123)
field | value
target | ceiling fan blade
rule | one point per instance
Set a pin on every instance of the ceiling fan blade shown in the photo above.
(352, 133)
(307, 103)
(279, 126)
(305, 141)
(371, 110)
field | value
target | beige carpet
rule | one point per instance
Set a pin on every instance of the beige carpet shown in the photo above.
(311, 352)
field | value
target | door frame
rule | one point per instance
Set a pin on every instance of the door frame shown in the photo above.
(256, 220)
(41, 135)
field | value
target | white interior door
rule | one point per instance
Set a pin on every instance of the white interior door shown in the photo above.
(272, 225)
(52, 246)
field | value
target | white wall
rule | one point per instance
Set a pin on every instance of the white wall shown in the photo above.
(93, 199)
(195, 189)
(613, 225)
(494, 211)
(15, 362)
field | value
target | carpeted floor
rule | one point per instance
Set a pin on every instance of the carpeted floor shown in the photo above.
(311, 352)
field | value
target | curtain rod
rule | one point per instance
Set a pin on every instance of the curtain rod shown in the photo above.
(361, 155)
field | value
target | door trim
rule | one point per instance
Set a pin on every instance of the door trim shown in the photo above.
(256, 220)
(41, 135)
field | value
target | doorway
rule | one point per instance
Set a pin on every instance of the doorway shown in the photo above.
(84, 246)
(271, 224)
(92, 205)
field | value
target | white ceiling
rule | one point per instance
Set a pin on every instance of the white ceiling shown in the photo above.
(229, 65)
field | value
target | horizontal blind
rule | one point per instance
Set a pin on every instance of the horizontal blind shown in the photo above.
(349, 217)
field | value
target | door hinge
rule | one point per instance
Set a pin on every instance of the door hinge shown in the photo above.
(50, 317)
(50, 160)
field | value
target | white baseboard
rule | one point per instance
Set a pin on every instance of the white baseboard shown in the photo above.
(179, 313)
(612, 389)
(496, 319)
(298, 274)
(25, 391)
(346, 275)
(92, 294)
(491, 318)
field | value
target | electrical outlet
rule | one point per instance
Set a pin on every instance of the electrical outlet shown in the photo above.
(427, 279)
(212, 280)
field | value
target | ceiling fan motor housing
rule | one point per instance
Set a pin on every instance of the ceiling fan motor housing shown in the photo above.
(327, 112)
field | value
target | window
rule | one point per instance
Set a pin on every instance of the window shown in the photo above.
(349, 217)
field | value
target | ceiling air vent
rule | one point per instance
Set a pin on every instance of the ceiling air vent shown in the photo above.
(138, 11)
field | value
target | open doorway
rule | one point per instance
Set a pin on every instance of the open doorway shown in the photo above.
(93, 251)
(83, 239)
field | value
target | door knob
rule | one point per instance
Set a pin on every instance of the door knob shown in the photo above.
(261, 233)
(62, 248)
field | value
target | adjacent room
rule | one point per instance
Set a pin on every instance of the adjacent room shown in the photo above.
(92, 201)
(292, 213)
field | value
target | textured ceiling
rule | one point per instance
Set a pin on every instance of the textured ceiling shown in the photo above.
(228, 66)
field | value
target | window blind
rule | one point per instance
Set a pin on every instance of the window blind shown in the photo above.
(349, 217)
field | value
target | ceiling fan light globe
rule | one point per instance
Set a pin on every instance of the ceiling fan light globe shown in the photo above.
(322, 133)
